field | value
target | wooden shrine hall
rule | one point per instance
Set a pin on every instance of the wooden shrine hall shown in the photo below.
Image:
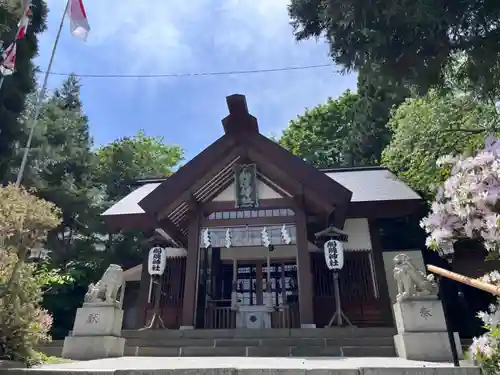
(248, 220)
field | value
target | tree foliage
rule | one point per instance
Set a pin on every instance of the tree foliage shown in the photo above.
(23, 323)
(130, 158)
(16, 87)
(413, 42)
(25, 221)
(426, 128)
(348, 131)
(321, 136)
(65, 169)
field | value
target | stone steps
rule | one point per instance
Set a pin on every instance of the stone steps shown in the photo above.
(284, 341)
(248, 351)
(262, 351)
(331, 342)
(261, 333)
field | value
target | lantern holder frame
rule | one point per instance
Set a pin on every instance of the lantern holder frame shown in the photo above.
(339, 315)
(156, 320)
(334, 233)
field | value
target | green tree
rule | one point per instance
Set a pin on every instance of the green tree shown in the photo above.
(413, 41)
(321, 136)
(122, 162)
(127, 159)
(429, 127)
(61, 168)
(348, 131)
(22, 82)
(377, 95)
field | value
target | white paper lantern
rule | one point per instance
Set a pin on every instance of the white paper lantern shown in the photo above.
(334, 254)
(157, 261)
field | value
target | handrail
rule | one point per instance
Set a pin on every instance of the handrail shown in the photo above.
(465, 280)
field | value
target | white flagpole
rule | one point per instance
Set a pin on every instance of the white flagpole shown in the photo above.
(38, 105)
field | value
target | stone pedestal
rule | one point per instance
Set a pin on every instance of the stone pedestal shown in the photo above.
(422, 334)
(96, 333)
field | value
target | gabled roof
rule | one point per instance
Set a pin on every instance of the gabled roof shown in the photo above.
(211, 171)
(165, 202)
(383, 185)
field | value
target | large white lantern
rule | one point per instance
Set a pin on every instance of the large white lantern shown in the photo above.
(334, 254)
(157, 260)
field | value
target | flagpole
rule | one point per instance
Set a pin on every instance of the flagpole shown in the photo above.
(38, 105)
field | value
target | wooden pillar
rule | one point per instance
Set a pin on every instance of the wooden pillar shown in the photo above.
(304, 274)
(258, 283)
(378, 261)
(191, 275)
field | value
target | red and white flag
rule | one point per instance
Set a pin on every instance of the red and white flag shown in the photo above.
(8, 60)
(23, 23)
(79, 24)
(8, 65)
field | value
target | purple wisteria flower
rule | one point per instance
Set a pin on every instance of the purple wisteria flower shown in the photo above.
(467, 205)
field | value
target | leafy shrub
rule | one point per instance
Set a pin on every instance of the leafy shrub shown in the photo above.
(24, 223)
(23, 324)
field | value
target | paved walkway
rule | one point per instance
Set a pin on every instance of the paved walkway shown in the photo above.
(174, 363)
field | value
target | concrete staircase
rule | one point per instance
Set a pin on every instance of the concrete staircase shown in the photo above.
(328, 342)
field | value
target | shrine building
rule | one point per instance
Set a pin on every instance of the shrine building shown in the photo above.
(216, 210)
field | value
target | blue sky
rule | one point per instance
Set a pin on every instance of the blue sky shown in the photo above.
(179, 36)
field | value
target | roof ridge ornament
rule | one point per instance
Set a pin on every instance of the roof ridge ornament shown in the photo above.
(239, 119)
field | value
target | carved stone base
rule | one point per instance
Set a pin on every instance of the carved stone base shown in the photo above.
(426, 346)
(93, 347)
(98, 319)
(419, 314)
(96, 333)
(422, 333)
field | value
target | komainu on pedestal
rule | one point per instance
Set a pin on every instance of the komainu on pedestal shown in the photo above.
(410, 281)
(420, 322)
(98, 323)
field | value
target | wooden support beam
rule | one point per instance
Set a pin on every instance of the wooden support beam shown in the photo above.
(304, 274)
(173, 232)
(191, 275)
(475, 283)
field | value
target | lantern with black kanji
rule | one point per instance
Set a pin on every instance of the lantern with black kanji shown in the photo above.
(334, 254)
(157, 260)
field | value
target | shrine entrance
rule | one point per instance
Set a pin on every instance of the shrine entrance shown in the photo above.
(276, 308)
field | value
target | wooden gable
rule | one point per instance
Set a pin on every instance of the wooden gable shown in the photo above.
(212, 171)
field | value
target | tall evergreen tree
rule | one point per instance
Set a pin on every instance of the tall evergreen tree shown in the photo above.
(61, 166)
(22, 82)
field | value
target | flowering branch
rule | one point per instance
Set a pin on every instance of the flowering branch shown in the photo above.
(467, 204)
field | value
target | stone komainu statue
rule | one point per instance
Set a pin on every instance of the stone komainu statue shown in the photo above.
(106, 289)
(410, 281)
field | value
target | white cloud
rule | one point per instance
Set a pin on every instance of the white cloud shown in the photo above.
(179, 36)
(165, 35)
